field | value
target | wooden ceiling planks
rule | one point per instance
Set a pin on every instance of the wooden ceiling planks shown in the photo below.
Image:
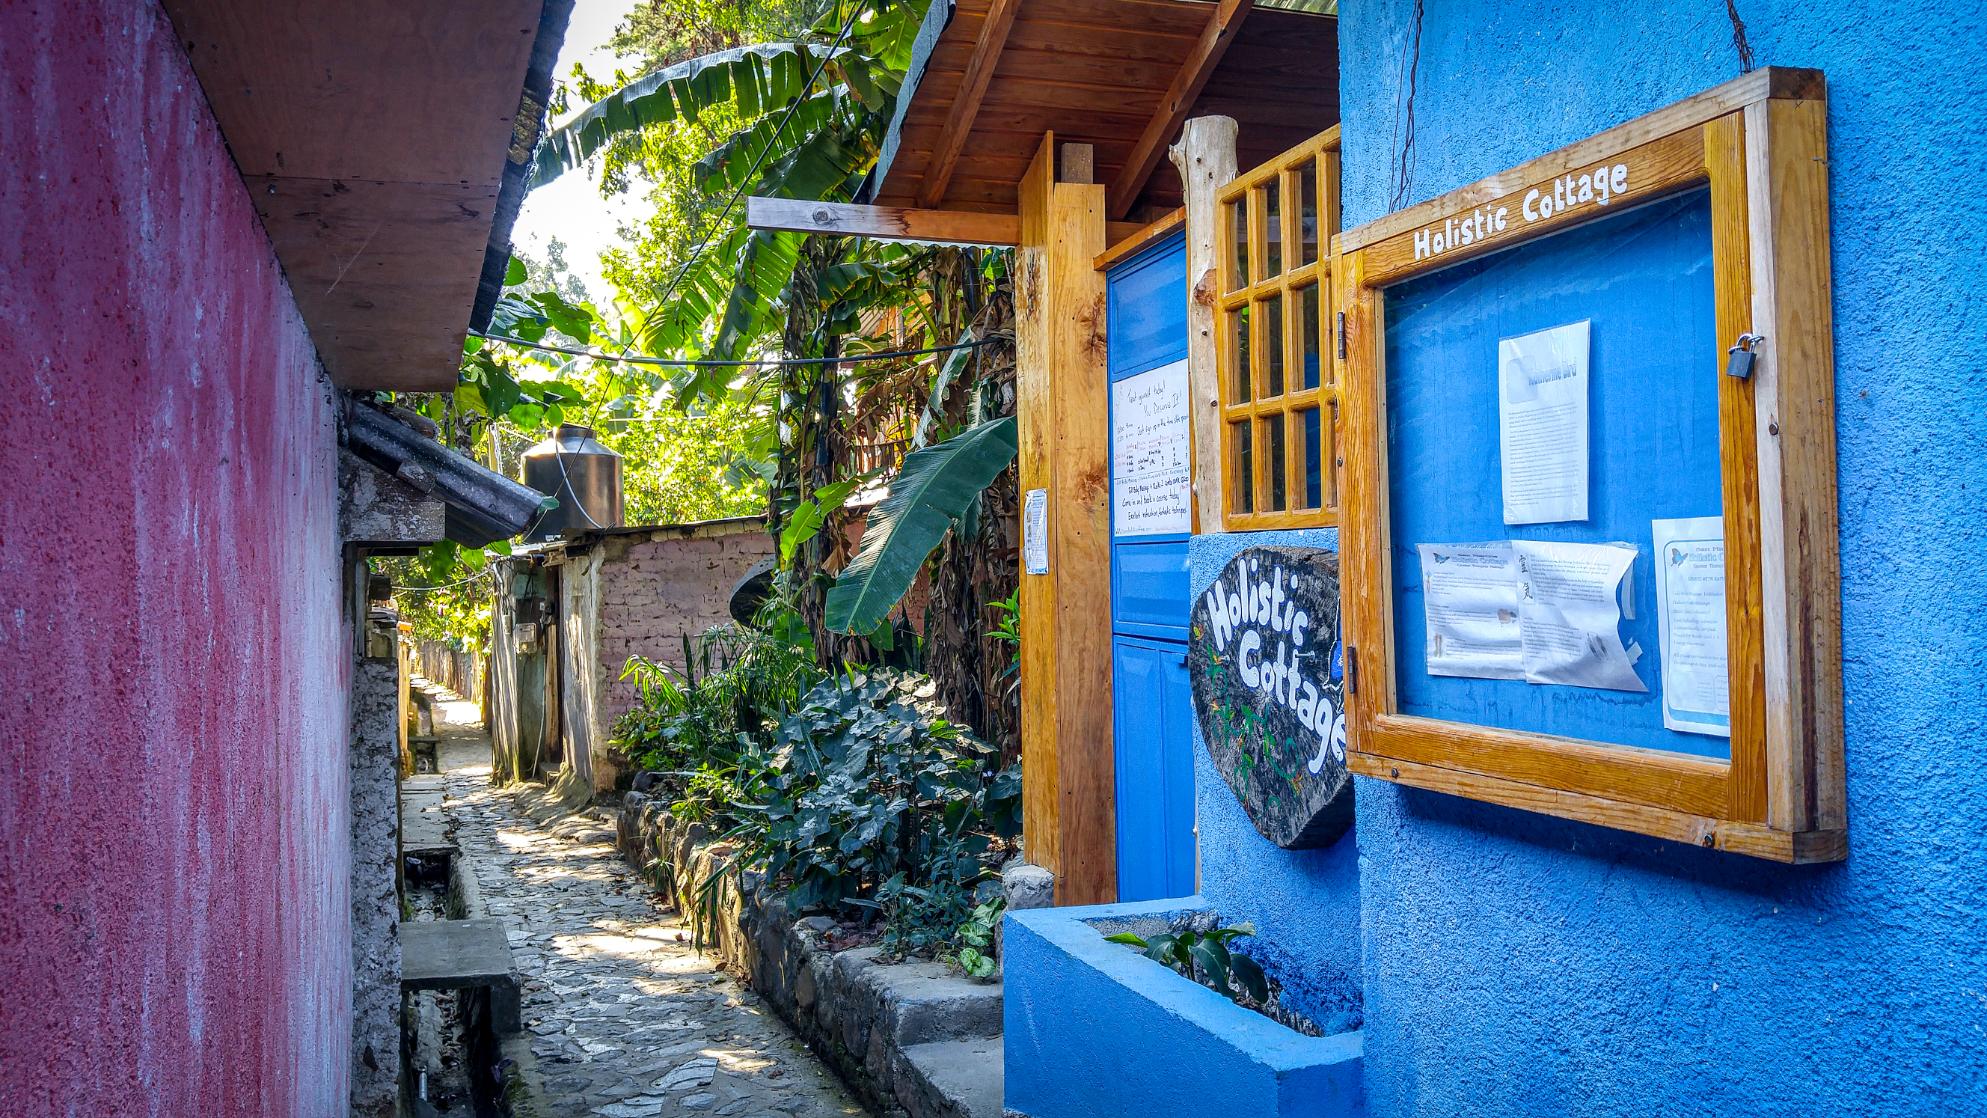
(1099, 72)
(373, 136)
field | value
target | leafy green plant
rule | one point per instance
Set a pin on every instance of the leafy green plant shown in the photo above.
(805, 120)
(1007, 629)
(704, 724)
(975, 939)
(1206, 958)
(869, 799)
(931, 491)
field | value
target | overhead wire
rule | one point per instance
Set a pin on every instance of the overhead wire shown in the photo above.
(750, 362)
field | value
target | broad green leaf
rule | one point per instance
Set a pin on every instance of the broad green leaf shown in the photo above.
(514, 273)
(1212, 960)
(1250, 977)
(754, 79)
(802, 526)
(930, 491)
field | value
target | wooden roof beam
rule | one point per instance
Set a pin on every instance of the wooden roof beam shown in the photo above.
(899, 223)
(889, 223)
(966, 105)
(1214, 41)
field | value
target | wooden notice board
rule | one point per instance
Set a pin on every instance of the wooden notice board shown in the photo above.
(1590, 553)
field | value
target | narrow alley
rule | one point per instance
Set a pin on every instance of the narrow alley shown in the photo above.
(623, 1018)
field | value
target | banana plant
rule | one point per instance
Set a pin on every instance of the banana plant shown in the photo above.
(814, 116)
(935, 488)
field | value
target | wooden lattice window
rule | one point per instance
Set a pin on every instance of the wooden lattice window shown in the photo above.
(1273, 321)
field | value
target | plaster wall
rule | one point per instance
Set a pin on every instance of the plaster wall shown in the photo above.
(1304, 903)
(656, 590)
(174, 825)
(1515, 965)
(375, 775)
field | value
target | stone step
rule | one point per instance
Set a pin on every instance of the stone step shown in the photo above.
(462, 955)
(925, 1002)
(952, 1079)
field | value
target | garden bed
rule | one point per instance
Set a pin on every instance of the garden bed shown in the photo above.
(1095, 1029)
(897, 1033)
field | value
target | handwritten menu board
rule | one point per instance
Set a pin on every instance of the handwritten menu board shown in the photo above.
(1151, 467)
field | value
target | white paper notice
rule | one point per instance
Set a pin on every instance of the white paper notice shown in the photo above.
(1151, 476)
(1542, 424)
(1569, 614)
(1471, 596)
(1035, 532)
(1690, 615)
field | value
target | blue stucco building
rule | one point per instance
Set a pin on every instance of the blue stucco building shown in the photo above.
(1513, 965)
(1504, 963)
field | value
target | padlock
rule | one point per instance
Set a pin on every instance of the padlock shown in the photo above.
(1739, 359)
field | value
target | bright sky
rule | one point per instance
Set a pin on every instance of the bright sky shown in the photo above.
(571, 208)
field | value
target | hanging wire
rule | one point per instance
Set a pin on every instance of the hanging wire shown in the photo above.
(443, 586)
(750, 362)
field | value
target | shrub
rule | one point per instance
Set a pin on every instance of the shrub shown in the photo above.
(869, 798)
(693, 724)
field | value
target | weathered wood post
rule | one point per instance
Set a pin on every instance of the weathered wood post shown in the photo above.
(1069, 817)
(1206, 159)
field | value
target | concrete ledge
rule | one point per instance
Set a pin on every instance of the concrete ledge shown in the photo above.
(863, 1017)
(1094, 1030)
(463, 955)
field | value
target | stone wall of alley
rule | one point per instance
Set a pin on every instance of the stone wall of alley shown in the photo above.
(174, 912)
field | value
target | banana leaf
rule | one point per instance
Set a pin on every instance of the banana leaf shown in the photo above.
(931, 490)
(757, 79)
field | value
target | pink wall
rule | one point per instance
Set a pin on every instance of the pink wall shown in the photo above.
(174, 916)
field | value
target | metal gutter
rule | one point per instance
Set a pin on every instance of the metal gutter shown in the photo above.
(528, 129)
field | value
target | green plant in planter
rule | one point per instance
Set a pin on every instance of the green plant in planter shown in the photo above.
(1206, 958)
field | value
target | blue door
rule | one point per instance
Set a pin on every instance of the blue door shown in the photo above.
(1152, 706)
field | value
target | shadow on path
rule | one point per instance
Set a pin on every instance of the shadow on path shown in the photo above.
(623, 1019)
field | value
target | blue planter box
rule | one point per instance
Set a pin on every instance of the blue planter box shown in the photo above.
(1095, 1030)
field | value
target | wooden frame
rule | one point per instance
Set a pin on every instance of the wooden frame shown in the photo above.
(1276, 341)
(1759, 144)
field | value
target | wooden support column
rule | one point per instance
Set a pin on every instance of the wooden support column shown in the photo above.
(1069, 815)
(1206, 158)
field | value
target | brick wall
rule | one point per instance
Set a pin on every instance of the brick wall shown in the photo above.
(655, 589)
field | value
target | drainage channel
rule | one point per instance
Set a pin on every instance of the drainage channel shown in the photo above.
(448, 1049)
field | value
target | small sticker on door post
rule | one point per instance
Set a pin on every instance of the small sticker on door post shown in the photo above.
(1035, 532)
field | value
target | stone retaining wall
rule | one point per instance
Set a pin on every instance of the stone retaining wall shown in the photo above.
(894, 1032)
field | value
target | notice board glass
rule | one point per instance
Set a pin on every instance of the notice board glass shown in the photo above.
(1642, 281)
(1539, 403)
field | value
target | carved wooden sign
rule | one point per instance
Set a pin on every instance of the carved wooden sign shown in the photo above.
(1268, 675)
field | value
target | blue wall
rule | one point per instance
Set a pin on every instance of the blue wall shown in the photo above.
(1304, 903)
(1515, 965)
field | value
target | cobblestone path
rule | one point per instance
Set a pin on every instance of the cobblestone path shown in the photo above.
(624, 1019)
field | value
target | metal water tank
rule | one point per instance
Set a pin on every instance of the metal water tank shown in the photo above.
(583, 474)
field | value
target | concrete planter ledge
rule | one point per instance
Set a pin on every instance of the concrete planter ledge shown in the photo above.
(911, 1038)
(1095, 1030)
